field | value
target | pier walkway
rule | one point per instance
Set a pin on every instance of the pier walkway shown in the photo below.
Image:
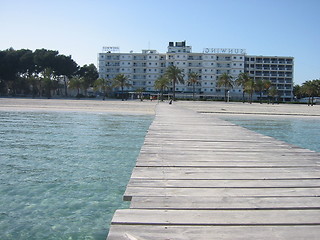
(199, 177)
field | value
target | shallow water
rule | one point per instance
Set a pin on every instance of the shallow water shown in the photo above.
(62, 175)
(302, 132)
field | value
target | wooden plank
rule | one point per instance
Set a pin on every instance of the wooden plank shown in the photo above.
(222, 192)
(216, 217)
(147, 232)
(223, 173)
(226, 163)
(245, 183)
(227, 203)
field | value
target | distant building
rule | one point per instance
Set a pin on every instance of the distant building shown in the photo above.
(144, 68)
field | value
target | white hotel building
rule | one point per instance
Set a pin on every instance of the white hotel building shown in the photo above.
(144, 68)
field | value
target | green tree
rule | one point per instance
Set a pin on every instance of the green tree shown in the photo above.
(261, 86)
(76, 83)
(18, 66)
(44, 58)
(273, 93)
(161, 84)
(174, 74)
(34, 81)
(102, 85)
(249, 89)
(297, 91)
(49, 82)
(89, 74)
(225, 81)
(311, 89)
(66, 68)
(241, 81)
(121, 81)
(10, 70)
(193, 79)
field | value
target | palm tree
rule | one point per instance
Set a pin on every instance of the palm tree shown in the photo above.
(161, 84)
(121, 81)
(193, 79)
(103, 85)
(310, 89)
(225, 80)
(241, 81)
(262, 85)
(76, 83)
(249, 88)
(297, 91)
(272, 92)
(49, 82)
(33, 81)
(174, 74)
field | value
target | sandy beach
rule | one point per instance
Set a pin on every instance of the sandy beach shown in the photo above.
(148, 107)
(70, 105)
(232, 108)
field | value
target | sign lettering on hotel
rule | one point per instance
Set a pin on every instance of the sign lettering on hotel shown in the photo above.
(225, 50)
(111, 49)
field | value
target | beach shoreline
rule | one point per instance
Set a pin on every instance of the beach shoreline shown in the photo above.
(254, 109)
(147, 107)
(79, 105)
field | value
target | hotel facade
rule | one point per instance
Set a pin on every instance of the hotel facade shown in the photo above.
(143, 69)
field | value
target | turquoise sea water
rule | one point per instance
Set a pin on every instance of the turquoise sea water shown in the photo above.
(299, 131)
(62, 175)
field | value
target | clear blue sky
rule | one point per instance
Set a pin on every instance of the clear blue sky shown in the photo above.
(82, 27)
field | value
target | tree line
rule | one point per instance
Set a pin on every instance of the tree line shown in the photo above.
(225, 81)
(249, 86)
(309, 89)
(261, 87)
(39, 72)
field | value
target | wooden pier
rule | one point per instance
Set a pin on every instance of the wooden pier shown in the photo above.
(199, 177)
